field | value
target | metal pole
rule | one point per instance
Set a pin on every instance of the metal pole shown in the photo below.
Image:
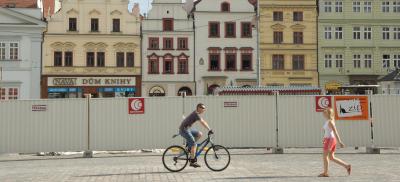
(371, 121)
(277, 119)
(258, 43)
(88, 153)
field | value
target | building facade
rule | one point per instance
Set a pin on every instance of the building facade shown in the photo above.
(21, 32)
(92, 47)
(288, 42)
(359, 41)
(168, 50)
(225, 44)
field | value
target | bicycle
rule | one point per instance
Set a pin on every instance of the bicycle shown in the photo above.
(216, 158)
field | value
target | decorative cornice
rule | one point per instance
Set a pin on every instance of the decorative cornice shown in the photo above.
(72, 11)
(278, 26)
(94, 11)
(298, 27)
(116, 12)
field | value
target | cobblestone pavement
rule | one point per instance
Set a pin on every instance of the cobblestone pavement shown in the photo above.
(246, 165)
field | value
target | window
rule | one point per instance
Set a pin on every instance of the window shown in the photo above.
(396, 33)
(183, 65)
(385, 33)
(328, 33)
(357, 33)
(230, 60)
(396, 6)
(130, 59)
(168, 65)
(338, 6)
(57, 58)
(72, 24)
(116, 25)
(225, 7)
(68, 58)
(328, 61)
(396, 61)
(230, 29)
(386, 61)
(246, 30)
(339, 61)
(213, 29)
(182, 43)
(12, 93)
(367, 61)
(14, 51)
(246, 62)
(278, 37)
(278, 16)
(100, 59)
(153, 43)
(277, 62)
(367, 33)
(298, 37)
(214, 62)
(94, 26)
(356, 6)
(367, 6)
(90, 59)
(298, 62)
(327, 6)
(338, 32)
(357, 61)
(120, 59)
(168, 24)
(297, 16)
(153, 65)
(168, 43)
(2, 51)
(385, 6)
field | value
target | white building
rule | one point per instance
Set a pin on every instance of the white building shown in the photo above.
(167, 50)
(390, 83)
(225, 44)
(21, 32)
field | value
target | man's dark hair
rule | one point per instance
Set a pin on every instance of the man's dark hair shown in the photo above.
(200, 105)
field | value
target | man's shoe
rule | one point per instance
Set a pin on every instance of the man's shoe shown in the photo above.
(194, 164)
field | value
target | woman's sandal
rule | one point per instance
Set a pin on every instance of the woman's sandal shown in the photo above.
(348, 169)
(323, 175)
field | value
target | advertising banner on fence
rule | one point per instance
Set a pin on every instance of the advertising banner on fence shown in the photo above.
(322, 102)
(136, 105)
(351, 108)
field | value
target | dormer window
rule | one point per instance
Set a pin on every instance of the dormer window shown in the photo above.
(225, 7)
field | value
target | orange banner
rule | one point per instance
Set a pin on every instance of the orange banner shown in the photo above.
(351, 108)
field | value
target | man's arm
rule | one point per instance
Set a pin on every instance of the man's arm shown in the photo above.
(205, 124)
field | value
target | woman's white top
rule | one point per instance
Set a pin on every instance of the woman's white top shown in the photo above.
(328, 131)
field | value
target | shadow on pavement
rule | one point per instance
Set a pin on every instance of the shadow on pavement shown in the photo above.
(262, 177)
(138, 173)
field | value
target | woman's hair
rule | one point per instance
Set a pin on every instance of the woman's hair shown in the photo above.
(330, 113)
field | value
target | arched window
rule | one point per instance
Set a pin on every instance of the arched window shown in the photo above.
(211, 89)
(185, 89)
(225, 7)
(156, 91)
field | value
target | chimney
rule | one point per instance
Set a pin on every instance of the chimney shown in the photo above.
(18, 3)
(48, 8)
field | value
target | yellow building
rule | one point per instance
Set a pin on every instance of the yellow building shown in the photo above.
(92, 47)
(288, 42)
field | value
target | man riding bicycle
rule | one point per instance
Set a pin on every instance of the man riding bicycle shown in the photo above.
(192, 135)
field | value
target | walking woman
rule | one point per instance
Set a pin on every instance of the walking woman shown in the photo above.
(329, 142)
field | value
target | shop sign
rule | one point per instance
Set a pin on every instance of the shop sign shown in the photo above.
(332, 86)
(39, 107)
(136, 105)
(322, 103)
(351, 107)
(231, 104)
(91, 81)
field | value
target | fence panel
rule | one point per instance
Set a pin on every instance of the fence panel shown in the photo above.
(386, 117)
(57, 125)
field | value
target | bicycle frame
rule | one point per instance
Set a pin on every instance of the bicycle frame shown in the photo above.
(203, 145)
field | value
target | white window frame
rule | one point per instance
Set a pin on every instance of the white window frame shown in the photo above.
(385, 61)
(356, 33)
(367, 6)
(396, 6)
(367, 61)
(338, 6)
(328, 6)
(339, 60)
(396, 61)
(396, 33)
(367, 33)
(356, 60)
(356, 6)
(3, 51)
(7, 48)
(7, 96)
(339, 33)
(328, 33)
(328, 60)
(385, 6)
(386, 33)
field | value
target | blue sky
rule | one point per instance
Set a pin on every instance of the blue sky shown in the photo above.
(145, 5)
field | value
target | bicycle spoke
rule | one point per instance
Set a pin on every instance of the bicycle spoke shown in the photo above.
(175, 158)
(217, 158)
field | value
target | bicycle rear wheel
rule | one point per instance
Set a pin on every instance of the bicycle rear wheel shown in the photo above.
(217, 158)
(175, 158)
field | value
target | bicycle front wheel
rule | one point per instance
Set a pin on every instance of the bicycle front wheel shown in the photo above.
(175, 158)
(217, 158)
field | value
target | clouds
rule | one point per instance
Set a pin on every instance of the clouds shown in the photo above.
(145, 5)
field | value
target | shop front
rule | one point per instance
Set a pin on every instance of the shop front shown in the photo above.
(98, 87)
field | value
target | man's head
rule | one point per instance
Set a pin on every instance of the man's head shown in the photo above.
(200, 108)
